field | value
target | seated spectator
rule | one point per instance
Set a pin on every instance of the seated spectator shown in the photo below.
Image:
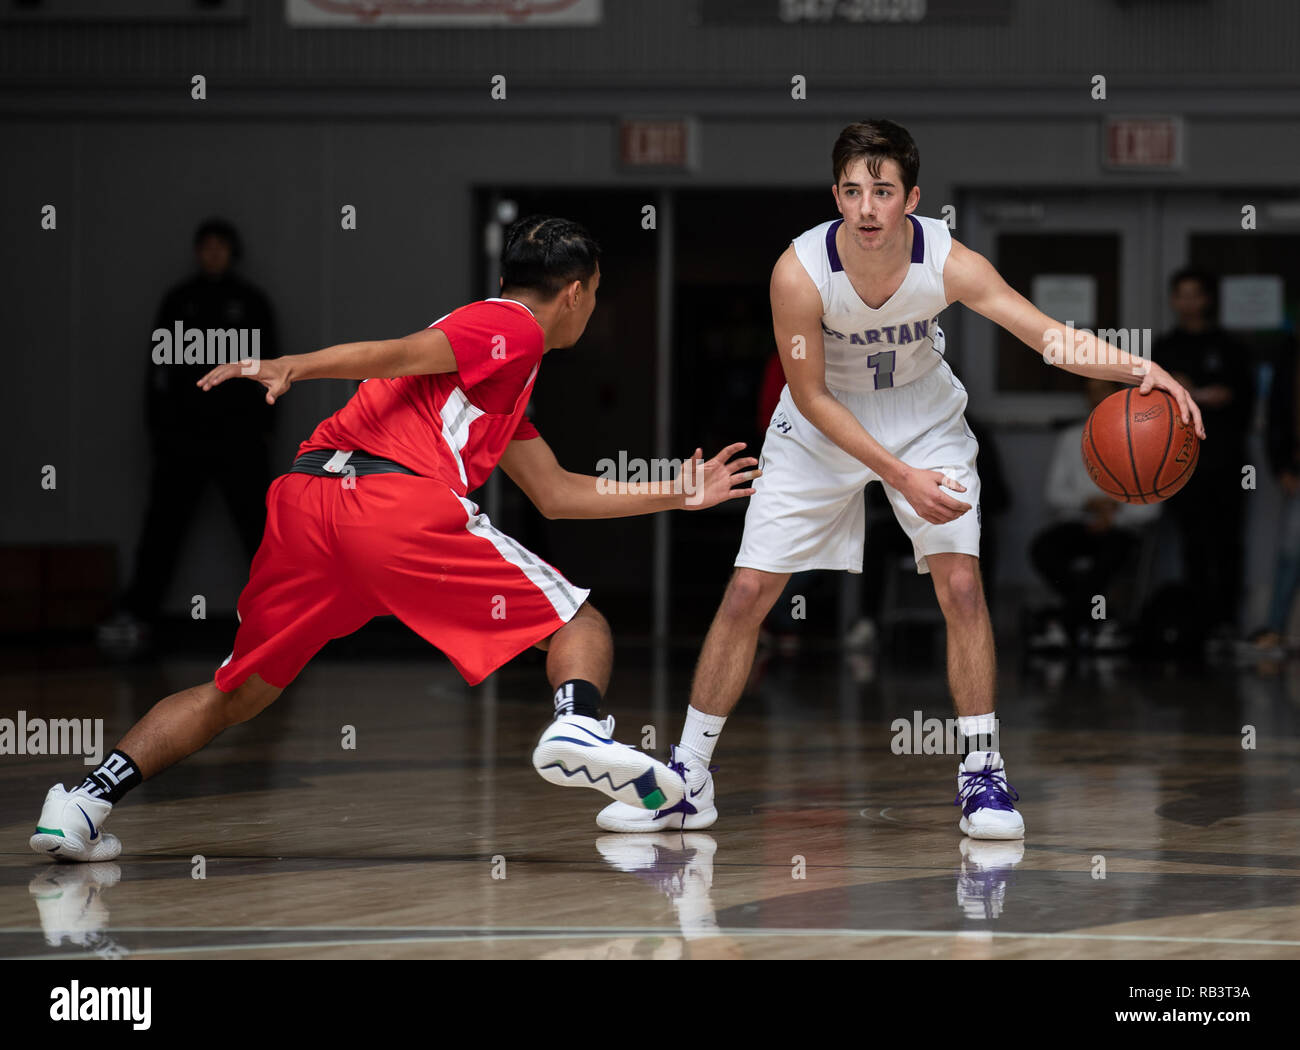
(1090, 539)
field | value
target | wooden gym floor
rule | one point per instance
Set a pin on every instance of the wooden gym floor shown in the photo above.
(434, 838)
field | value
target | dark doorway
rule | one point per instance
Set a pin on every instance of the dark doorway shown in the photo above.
(727, 242)
(1248, 254)
(592, 400)
(597, 399)
(1022, 256)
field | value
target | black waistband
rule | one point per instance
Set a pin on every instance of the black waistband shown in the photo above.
(328, 464)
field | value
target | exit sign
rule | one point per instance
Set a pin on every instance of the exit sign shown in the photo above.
(1152, 143)
(662, 144)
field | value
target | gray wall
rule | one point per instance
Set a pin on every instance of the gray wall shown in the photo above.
(98, 121)
(654, 43)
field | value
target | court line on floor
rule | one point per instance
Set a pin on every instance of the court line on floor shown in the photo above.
(456, 936)
(597, 866)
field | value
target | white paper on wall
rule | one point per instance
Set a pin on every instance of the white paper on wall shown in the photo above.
(1251, 303)
(1071, 298)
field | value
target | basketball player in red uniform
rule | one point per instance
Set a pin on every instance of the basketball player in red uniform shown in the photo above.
(373, 519)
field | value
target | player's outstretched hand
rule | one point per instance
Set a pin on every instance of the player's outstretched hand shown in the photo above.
(272, 373)
(924, 491)
(1158, 377)
(708, 482)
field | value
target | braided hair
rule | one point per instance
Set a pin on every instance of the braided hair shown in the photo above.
(543, 254)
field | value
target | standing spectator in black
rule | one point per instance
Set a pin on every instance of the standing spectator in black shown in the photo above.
(197, 438)
(1218, 373)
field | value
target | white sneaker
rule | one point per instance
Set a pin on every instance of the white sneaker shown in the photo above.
(1109, 639)
(694, 812)
(986, 798)
(1053, 637)
(69, 827)
(862, 635)
(577, 751)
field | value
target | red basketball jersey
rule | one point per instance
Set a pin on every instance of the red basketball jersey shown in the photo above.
(454, 426)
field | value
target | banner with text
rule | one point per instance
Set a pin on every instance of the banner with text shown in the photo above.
(427, 14)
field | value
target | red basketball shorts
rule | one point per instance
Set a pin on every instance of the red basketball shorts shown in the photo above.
(335, 554)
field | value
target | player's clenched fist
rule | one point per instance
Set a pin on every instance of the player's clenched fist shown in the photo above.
(924, 491)
(273, 374)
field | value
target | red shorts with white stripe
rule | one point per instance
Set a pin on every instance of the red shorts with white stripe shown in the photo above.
(338, 551)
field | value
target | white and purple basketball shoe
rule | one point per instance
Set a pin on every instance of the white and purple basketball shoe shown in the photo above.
(694, 811)
(986, 798)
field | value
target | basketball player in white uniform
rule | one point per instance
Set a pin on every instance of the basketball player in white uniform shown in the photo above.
(869, 397)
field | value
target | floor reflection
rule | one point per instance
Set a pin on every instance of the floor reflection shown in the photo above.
(987, 869)
(680, 866)
(70, 902)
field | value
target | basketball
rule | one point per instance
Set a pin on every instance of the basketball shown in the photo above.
(1137, 448)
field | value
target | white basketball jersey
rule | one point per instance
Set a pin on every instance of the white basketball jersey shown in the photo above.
(870, 349)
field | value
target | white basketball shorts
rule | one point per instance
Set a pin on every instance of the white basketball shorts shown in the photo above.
(808, 509)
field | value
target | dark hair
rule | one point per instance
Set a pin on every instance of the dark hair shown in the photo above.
(877, 141)
(219, 228)
(543, 254)
(1208, 282)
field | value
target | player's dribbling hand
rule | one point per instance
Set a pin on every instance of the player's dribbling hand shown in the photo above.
(1158, 377)
(708, 482)
(272, 373)
(923, 489)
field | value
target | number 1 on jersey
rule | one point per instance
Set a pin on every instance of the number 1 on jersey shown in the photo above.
(883, 363)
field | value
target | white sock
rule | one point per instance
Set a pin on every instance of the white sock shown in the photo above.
(701, 732)
(978, 725)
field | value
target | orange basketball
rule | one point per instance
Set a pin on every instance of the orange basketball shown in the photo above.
(1137, 449)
